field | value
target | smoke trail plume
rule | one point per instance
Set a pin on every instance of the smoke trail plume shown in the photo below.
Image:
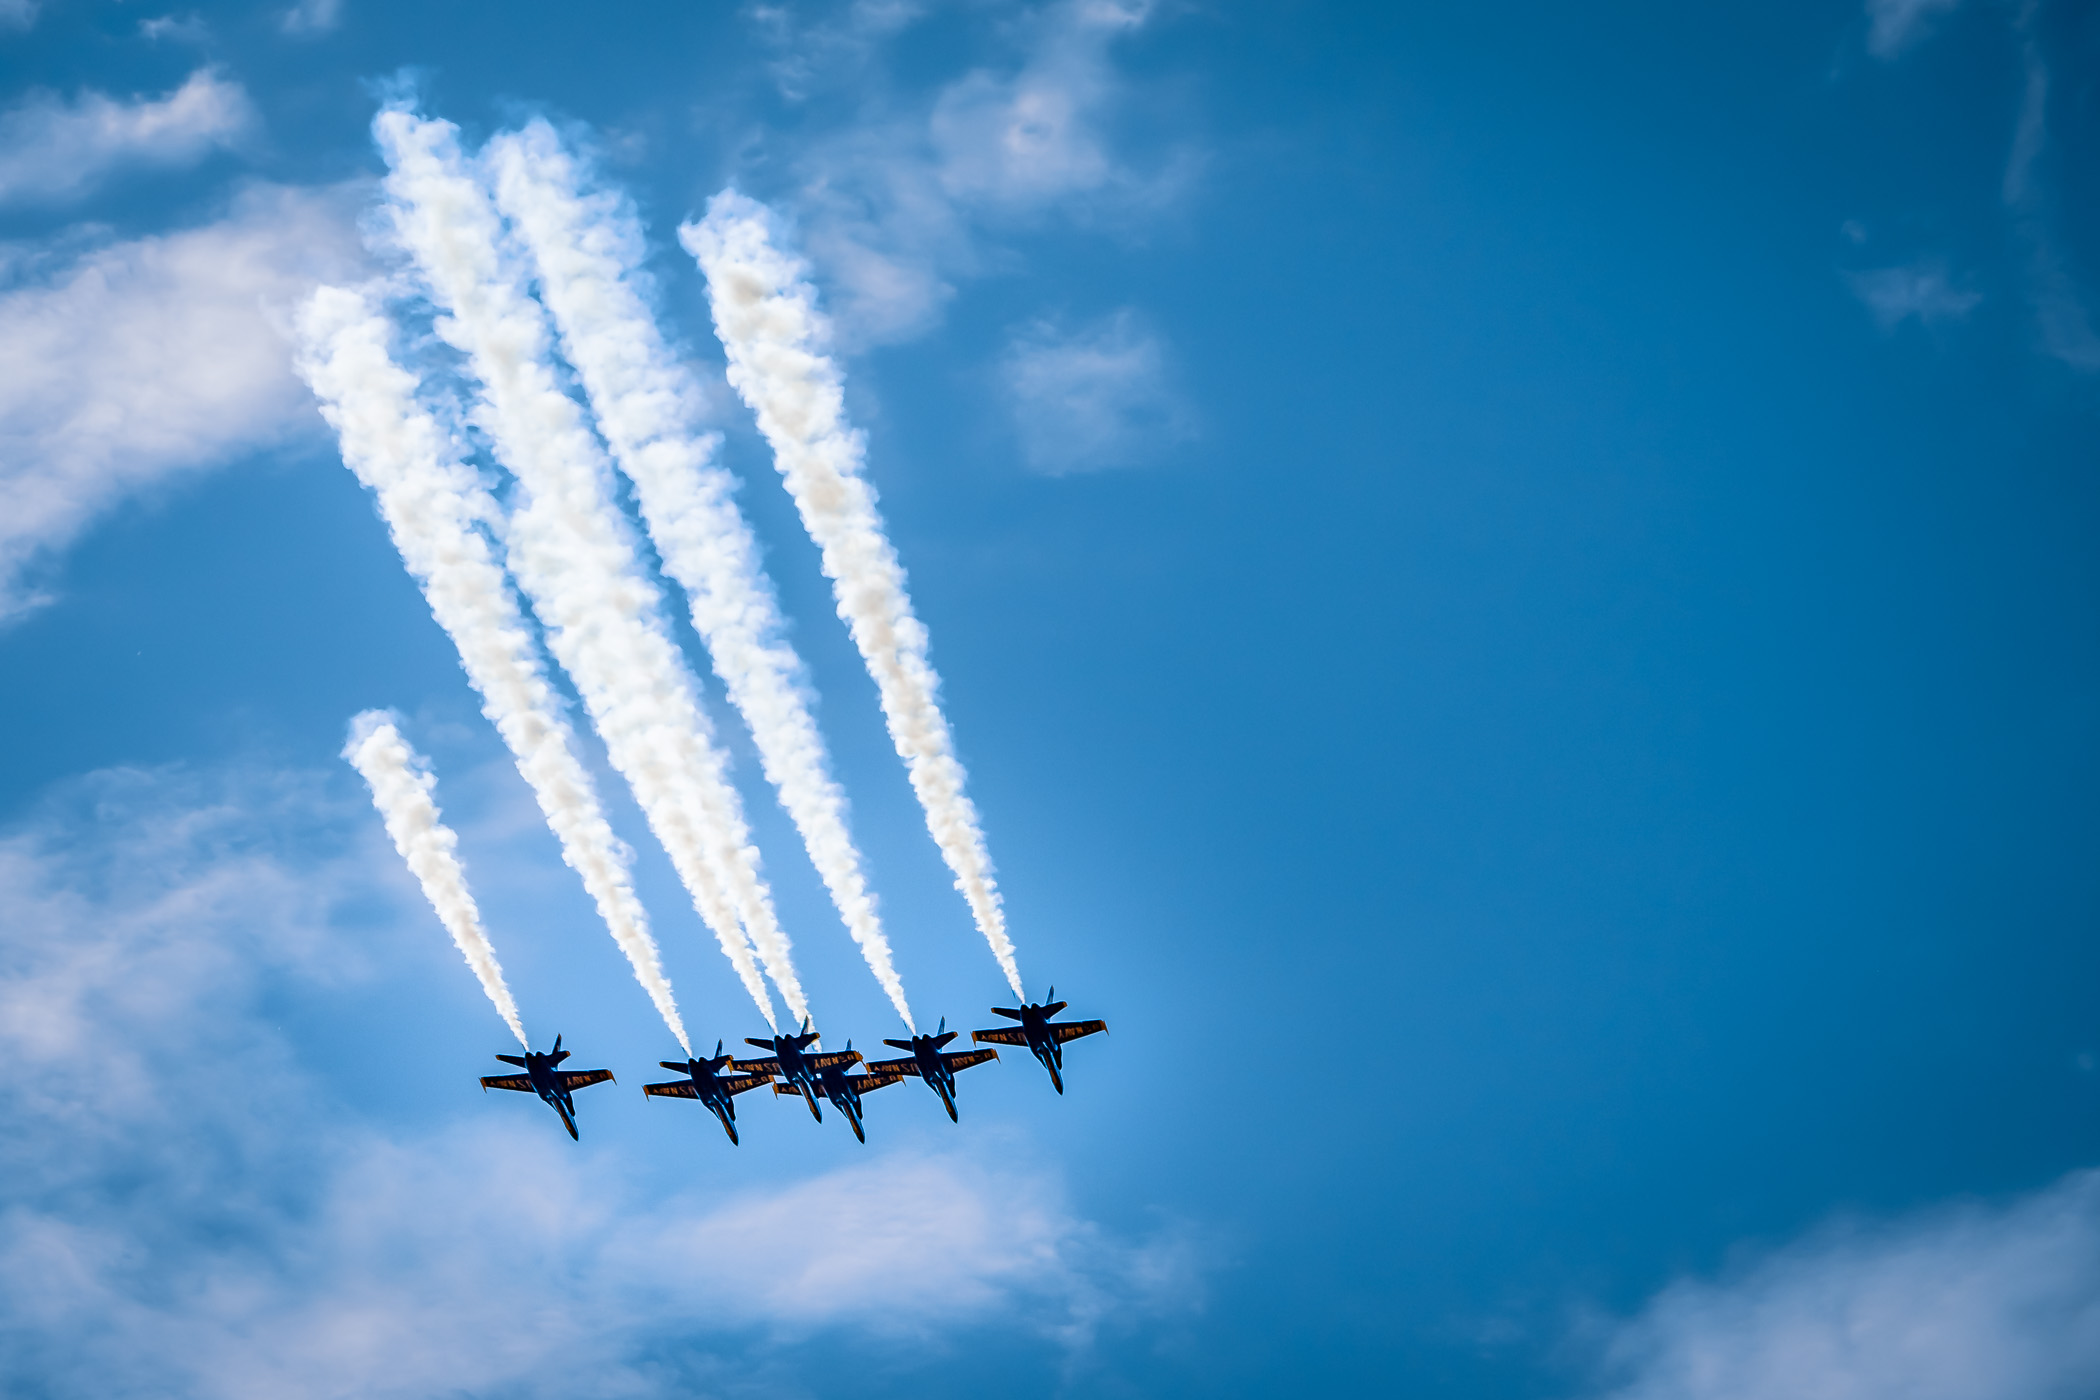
(777, 340)
(571, 551)
(432, 504)
(588, 249)
(401, 783)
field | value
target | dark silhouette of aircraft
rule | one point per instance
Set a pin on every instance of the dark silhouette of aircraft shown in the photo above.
(705, 1081)
(1044, 1037)
(800, 1070)
(843, 1089)
(927, 1062)
(542, 1078)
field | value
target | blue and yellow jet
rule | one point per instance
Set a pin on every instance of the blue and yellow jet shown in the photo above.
(927, 1062)
(705, 1081)
(1044, 1037)
(542, 1078)
(790, 1062)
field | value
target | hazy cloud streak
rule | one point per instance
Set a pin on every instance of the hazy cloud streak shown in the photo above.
(51, 149)
(433, 505)
(401, 784)
(151, 358)
(777, 341)
(571, 551)
(589, 249)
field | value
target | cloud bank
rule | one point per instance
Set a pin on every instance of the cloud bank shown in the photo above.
(245, 1235)
(1970, 1303)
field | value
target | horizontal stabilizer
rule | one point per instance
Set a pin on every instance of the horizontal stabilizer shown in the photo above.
(963, 1059)
(898, 1044)
(761, 1044)
(999, 1037)
(512, 1060)
(893, 1066)
(521, 1083)
(1072, 1030)
(583, 1078)
(676, 1089)
(1007, 1011)
(676, 1066)
(1053, 1008)
(944, 1037)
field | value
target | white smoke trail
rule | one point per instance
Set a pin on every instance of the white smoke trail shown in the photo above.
(588, 250)
(571, 551)
(432, 504)
(777, 340)
(401, 783)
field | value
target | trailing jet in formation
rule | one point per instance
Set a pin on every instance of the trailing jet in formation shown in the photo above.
(843, 1089)
(705, 1081)
(789, 1062)
(1044, 1037)
(927, 1062)
(542, 1078)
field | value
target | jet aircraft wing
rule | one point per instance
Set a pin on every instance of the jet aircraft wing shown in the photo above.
(793, 1091)
(963, 1059)
(999, 1037)
(836, 1057)
(868, 1083)
(1072, 1030)
(578, 1078)
(907, 1065)
(734, 1084)
(676, 1089)
(521, 1082)
(768, 1067)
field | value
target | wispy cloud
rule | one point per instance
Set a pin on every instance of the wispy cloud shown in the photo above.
(311, 17)
(1920, 291)
(140, 360)
(259, 1239)
(1959, 1304)
(17, 14)
(52, 149)
(899, 199)
(1091, 399)
(1894, 25)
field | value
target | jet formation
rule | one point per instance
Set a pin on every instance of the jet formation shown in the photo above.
(796, 1069)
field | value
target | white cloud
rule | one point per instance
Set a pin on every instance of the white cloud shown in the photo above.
(1921, 290)
(1971, 1303)
(186, 1211)
(1894, 25)
(17, 14)
(140, 360)
(896, 201)
(1092, 399)
(51, 149)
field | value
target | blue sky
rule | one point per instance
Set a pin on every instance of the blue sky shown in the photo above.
(1516, 586)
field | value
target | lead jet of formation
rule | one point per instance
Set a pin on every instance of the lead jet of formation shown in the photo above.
(927, 1062)
(705, 1081)
(843, 1089)
(542, 1078)
(790, 1062)
(1044, 1037)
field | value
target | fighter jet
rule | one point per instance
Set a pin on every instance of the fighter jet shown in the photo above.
(705, 1081)
(843, 1089)
(542, 1078)
(927, 1062)
(789, 1063)
(1044, 1037)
